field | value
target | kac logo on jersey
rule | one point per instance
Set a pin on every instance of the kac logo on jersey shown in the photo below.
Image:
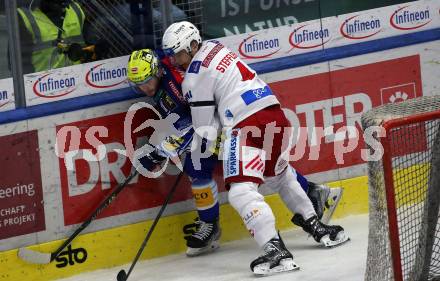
(48, 87)
(101, 77)
(309, 37)
(256, 48)
(408, 18)
(357, 27)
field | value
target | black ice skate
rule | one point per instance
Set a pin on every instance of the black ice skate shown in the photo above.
(276, 258)
(324, 200)
(327, 235)
(204, 240)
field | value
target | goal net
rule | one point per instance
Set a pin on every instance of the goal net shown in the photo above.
(404, 192)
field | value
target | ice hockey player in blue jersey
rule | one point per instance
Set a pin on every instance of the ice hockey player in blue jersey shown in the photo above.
(154, 75)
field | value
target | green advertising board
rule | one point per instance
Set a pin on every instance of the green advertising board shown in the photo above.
(229, 17)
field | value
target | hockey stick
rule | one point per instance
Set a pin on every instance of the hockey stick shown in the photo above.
(32, 256)
(122, 275)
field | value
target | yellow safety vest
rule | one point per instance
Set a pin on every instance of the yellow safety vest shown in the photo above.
(45, 53)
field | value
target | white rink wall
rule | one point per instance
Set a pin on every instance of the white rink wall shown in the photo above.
(328, 86)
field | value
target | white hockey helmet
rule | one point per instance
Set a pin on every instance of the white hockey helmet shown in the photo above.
(179, 36)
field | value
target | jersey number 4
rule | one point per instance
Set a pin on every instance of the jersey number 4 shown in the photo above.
(246, 74)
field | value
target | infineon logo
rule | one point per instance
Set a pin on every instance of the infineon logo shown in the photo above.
(360, 28)
(406, 18)
(255, 48)
(100, 77)
(309, 36)
(48, 87)
(4, 98)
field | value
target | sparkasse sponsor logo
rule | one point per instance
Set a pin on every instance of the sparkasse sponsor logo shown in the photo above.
(101, 77)
(309, 36)
(406, 18)
(232, 162)
(357, 27)
(255, 48)
(49, 87)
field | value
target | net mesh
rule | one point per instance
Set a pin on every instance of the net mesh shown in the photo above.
(414, 158)
(127, 25)
(111, 20)
(189, 10)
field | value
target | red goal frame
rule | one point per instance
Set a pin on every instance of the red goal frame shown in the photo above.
(389, 184)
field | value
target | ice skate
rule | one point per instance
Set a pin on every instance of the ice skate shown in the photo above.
(276, 258)
(324, 200)
(204, 240)
(327, 235)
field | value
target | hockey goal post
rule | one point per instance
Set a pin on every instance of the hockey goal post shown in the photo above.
(404, 192)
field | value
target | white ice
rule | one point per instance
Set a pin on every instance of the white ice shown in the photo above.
(231, 261)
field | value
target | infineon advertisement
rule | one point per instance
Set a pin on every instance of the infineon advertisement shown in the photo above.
(76, 81)
(315, 35)
(6, 94)
(231, 17)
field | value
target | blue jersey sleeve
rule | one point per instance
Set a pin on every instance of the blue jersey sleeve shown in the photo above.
(170, 100)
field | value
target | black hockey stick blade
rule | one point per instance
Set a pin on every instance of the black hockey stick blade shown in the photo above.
(122, 275)
(36, 257)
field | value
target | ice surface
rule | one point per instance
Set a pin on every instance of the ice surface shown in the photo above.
(231, 261)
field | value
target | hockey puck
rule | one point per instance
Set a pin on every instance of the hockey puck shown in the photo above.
(122, 276)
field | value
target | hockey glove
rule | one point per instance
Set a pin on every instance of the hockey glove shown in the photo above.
(151, 161)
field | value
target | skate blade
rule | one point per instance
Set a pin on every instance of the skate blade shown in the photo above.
(331, 204)
(284, 266)
(341, 238)
(193, 252)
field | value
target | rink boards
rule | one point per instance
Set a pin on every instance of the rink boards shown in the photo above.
(116, 246)
(114, 238)
(52, 176)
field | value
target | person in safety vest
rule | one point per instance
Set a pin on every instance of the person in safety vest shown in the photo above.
(51, 35)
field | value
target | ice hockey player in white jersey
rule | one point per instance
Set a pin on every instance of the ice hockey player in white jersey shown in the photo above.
(224, 93)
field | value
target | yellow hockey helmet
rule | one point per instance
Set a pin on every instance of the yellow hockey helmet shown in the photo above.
(142, 66)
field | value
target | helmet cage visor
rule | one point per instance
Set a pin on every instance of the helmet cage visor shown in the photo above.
(136, 86)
